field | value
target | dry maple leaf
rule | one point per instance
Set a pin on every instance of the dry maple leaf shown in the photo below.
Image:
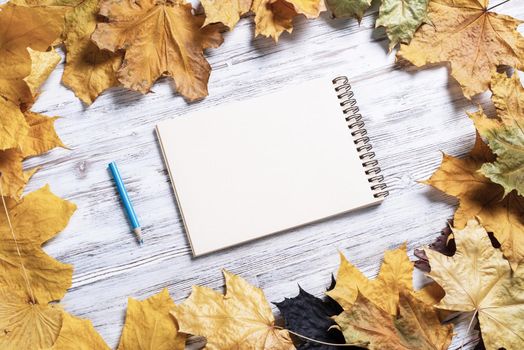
(79, 334)
(14, 178)
(13, 126)
(38, 217)
(160, 37)
(149, 325)
(36, 28)
(24, 325)
(24, 133)
(41, 136)
(273, 17)
(478, 279)
(312, 316)
(227, 12)
(468, 37)
(479, 197)
(396, 274)
(508, 96)
(348, 8)
(240, 319)
(505, 134)
(42, 64)
(88, 70)
(507, 142)
(309, 8)
(416, 327)
(401, 18)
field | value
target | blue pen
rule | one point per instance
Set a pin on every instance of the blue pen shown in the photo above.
(127, 202)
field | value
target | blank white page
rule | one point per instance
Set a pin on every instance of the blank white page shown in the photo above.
(252, 168)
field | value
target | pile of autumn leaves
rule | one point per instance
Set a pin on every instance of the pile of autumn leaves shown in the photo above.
(111, 43)
(27, 319)
(132, 43)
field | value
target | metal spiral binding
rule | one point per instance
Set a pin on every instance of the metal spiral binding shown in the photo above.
(358, 131)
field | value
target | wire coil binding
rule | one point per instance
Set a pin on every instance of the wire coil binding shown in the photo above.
(358, 131)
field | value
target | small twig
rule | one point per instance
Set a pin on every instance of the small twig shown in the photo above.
(317, 341)
(497, 5)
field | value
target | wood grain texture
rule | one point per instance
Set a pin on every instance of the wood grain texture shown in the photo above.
(411, 116)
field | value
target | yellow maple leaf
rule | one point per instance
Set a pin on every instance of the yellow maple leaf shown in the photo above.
(479, 197)
(226, 12)
(35, 219)
(417, 326)
(27, 325)
(79, 334)
(22, 70)
(88, 70)
(42, 64)
(240, 319)
(470, 38)
(41, 137)
(13, 179)
(273, 17)
(309, 8)
(149, 325)
(13, 126)
(25, 134)
(396, 274)
(36, 28)
(159, 38)
(478, 279)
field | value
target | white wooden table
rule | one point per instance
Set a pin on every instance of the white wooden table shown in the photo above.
(411, 115)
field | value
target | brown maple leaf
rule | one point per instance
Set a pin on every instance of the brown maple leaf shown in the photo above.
(160, 38)
(88, 70)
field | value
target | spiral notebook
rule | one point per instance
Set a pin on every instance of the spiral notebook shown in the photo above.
(251, 168)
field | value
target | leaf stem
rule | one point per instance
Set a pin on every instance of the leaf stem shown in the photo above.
(317, 341)
(469, 328)
(497, 5)
(24, 271)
